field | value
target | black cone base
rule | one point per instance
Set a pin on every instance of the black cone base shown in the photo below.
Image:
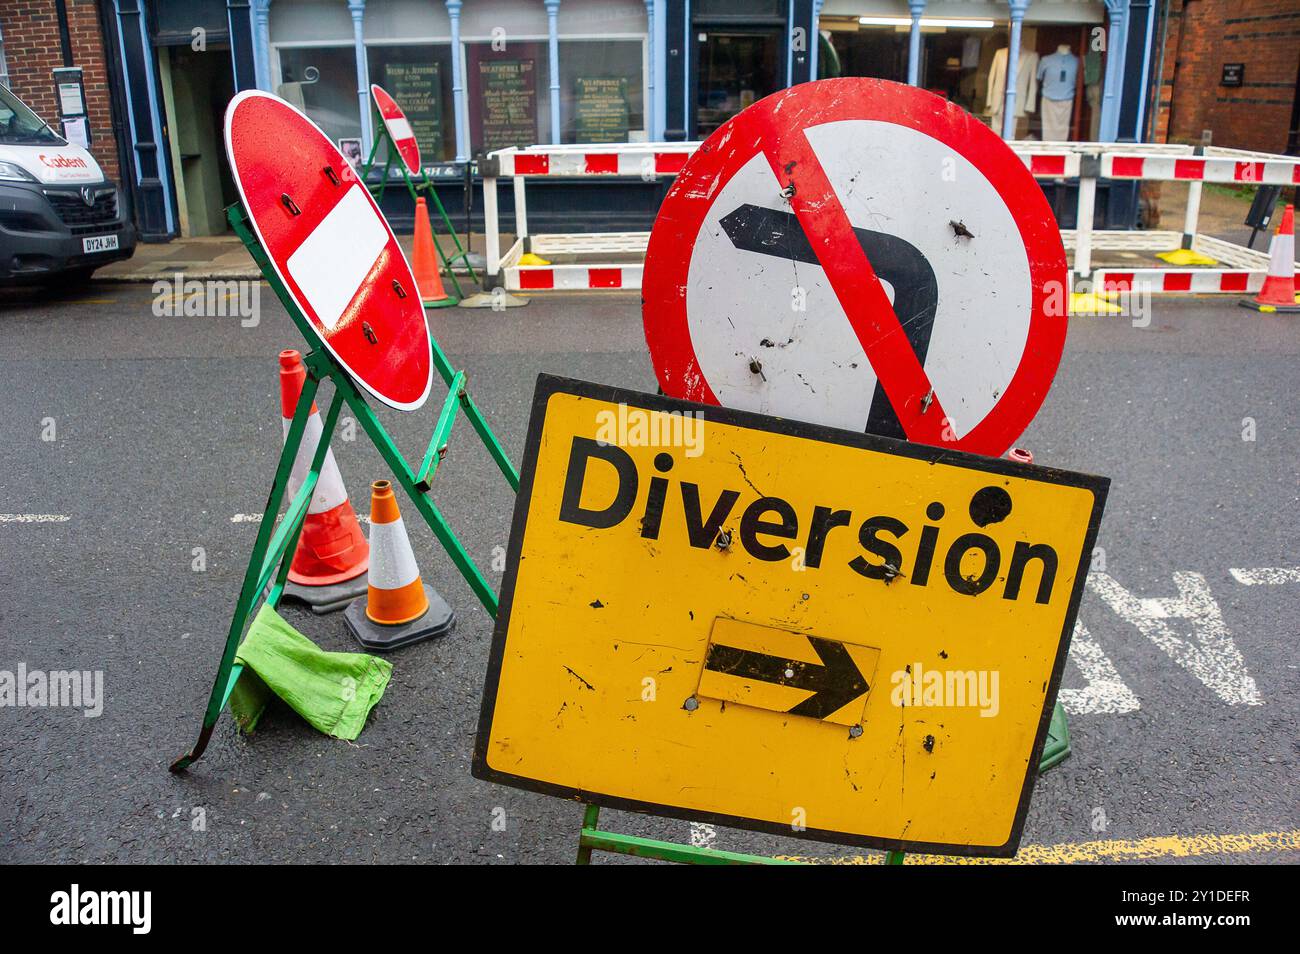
(438, 620)
(327, 599)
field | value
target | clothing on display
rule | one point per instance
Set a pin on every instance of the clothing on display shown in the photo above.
(1059, 73)
(1026, 85)
(1056, 115)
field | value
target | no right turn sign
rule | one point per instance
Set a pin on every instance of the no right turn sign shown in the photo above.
(862, 254)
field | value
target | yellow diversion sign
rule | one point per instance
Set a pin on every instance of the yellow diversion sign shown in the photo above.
(726, 617)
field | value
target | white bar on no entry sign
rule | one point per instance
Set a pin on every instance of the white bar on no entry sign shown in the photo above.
(399, 129)
(331, 263)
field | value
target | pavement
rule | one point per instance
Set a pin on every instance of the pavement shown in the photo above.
(223, 257)
(136, 444)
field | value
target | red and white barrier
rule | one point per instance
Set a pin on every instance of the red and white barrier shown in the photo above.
(596, 252)
(595, 255)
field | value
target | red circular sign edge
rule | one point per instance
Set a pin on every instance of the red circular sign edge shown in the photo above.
(412, 163)
(668, 253)
(322, 334)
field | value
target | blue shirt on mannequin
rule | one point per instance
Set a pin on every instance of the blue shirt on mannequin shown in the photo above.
(1057, 74)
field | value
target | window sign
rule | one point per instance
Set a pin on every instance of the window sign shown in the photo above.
(417, 87)
(504, 104)
(600, 108)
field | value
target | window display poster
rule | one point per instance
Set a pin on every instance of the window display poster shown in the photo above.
(508, 98)
(417, 87)
(600, 108)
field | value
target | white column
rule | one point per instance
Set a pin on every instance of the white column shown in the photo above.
(358, 10)
(1083, 218)
(458, 103)
(262, 43)
(814, 39)
(916, 8)
(1116, 44)
(553, 41)
(648, 102)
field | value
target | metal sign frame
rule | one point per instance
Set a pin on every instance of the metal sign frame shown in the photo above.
(591, 837)
(268, 565)
(414, 187)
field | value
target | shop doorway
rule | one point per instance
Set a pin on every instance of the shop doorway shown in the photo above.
(196, 86)
(735, 67)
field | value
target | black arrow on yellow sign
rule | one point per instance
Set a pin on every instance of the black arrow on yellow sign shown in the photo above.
(833, 684)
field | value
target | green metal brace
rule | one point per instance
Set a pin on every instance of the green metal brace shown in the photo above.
(274, 547)
(425, 184)
(592, 838)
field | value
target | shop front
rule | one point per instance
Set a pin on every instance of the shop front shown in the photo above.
(962, 56)
(478, 75)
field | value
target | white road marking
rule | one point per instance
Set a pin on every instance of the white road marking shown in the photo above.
(1266, 575)
(703, 835)
(1105, 692)
(34, 518)
(1213, 658)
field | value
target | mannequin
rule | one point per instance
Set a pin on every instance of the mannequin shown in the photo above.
(1092, 90)
(1058, 72)
(1026, 85)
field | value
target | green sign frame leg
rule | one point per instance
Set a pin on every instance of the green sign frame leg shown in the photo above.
(425, 184)
(273, 549)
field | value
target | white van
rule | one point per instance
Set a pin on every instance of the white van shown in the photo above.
(60, 219)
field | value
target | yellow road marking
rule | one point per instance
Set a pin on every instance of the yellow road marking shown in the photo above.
(1142, 849)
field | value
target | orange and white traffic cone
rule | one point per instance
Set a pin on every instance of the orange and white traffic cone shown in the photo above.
(329, 565)
(1278, 293)
(424, 261)
(399, 608)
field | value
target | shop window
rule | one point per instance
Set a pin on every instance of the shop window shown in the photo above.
(601, 90)
(419, 78)
(738, 8)
(322, 82)
(509, 95)
(737, 67)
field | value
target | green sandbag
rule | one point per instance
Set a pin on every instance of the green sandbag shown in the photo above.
(333, 691)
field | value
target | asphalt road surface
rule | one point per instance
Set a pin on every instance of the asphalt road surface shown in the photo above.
(132, 439)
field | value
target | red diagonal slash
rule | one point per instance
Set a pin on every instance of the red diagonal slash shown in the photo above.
(824, 221)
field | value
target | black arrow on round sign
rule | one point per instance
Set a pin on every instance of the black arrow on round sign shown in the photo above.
(834, 684)
(753, 228)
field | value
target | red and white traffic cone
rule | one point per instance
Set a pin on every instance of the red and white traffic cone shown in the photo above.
(329, 566)
(1278, 293)
(399, 608)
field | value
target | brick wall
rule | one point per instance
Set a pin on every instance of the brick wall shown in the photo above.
(1205, 34)
(32, 51)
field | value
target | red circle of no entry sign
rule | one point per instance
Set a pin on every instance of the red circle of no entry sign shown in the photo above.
(862, 254)
(331, 247)
(399, 129)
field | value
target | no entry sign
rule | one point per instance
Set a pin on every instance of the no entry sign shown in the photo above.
(862, 254)
(759, 622)
(331, 247)
(399, 129)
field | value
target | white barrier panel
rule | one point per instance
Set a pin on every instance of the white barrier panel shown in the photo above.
(645, 160)
(1242, 269)
(1185, 280)
(1207, 168)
